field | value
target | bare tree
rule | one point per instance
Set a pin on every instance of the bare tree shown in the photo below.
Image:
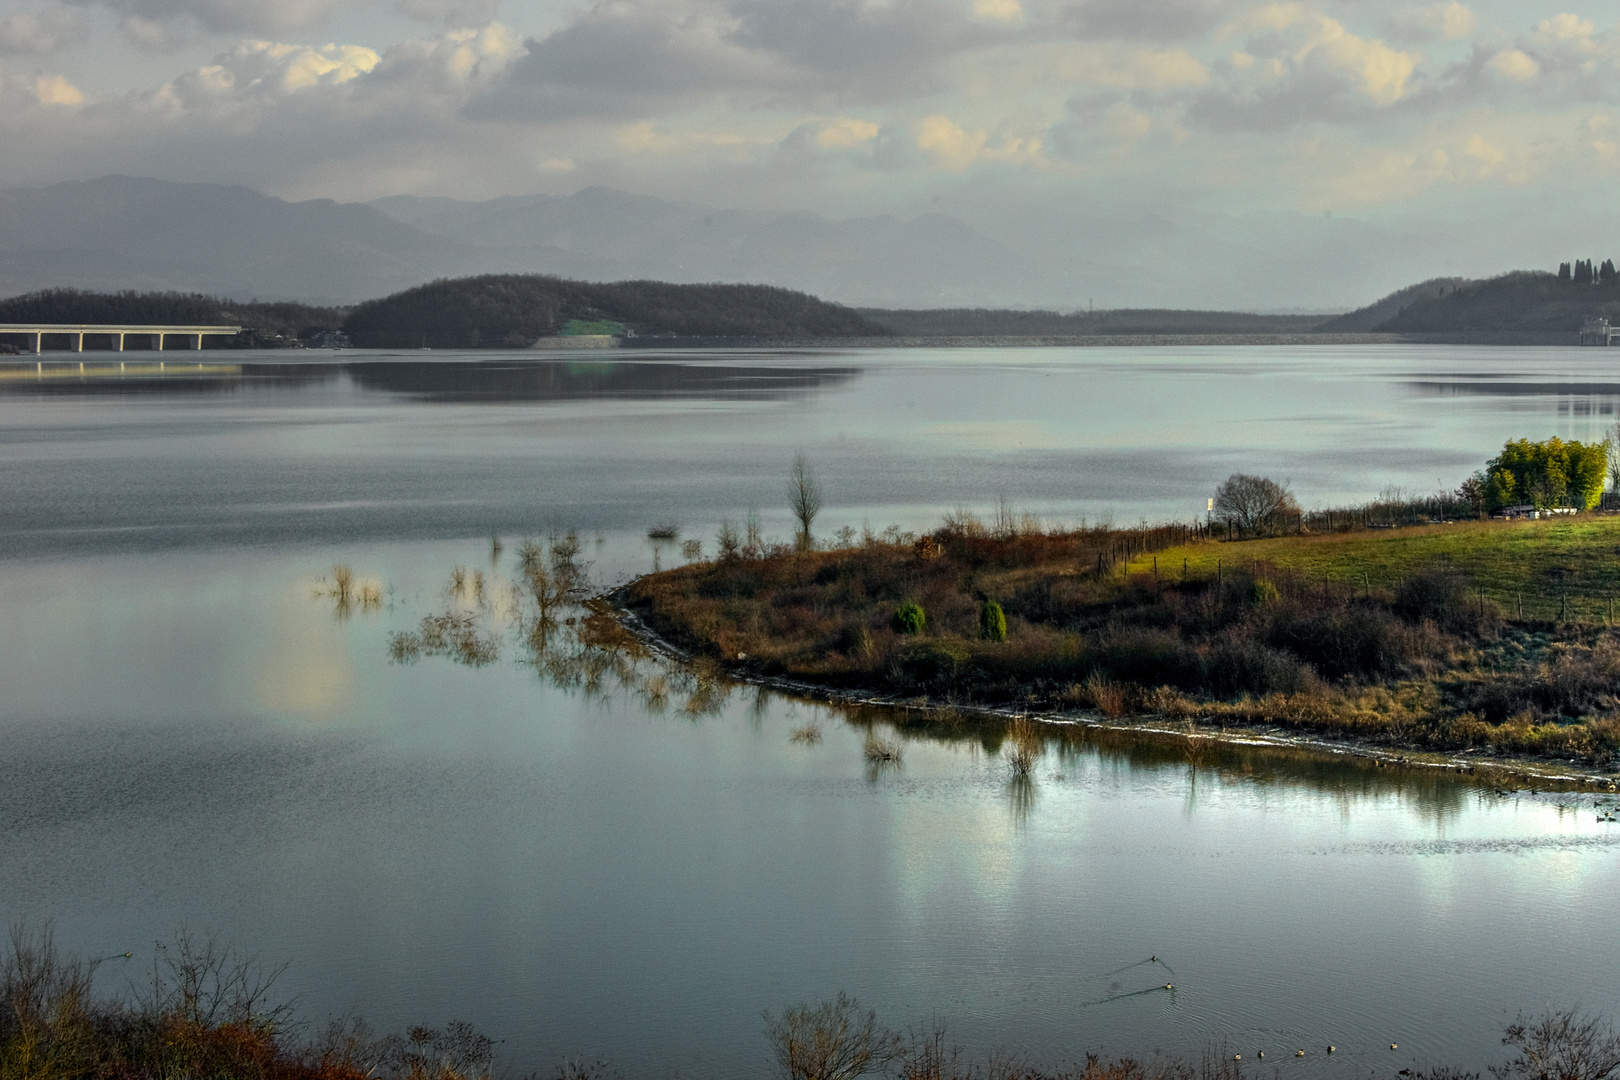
(830, 1041)
(1560, 1046)
(1614, 456)
(1247, 503)
(804, 496)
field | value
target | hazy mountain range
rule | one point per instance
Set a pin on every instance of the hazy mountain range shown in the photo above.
(120, 232)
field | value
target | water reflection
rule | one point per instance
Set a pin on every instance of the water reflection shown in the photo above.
(570, 380)
(576, 642)
(504, 380)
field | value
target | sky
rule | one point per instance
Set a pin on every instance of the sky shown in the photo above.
(1497, 122)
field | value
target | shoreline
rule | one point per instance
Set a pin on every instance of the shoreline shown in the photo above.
(1145, 340)
(1501, 767)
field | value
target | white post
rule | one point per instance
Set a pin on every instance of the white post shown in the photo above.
(78, 344)
(120, 341)
(39, 340)
(199, 343)
(159, 337)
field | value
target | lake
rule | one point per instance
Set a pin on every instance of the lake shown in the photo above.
(193, 732)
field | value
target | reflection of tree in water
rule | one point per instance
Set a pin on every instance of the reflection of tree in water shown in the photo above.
(573, 642)
(577, 643)
(511, 380)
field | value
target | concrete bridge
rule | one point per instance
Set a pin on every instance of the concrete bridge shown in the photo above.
(115, 333)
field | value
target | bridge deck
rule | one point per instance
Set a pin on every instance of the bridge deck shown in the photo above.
(116, 331)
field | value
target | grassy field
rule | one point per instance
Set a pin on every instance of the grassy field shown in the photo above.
(1552, 570)
(1489, 637)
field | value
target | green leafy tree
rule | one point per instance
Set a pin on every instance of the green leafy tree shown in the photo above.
(1547, 473)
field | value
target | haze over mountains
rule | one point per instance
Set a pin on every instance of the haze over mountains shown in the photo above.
(121, 232)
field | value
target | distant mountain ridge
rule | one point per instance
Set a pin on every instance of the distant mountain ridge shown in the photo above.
(119, 233)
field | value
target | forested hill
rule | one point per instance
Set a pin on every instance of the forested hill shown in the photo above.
(166, 309)
(1525, 300)
(513, 310)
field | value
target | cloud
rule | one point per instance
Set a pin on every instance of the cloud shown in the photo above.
(624, 59)
(845, 132)
(1010, 12)
(55, 90)
(451, 12)
(1299, 66)
(1445, 22)
(1162, 20)
(1133, 69)
(50, 31)
(219, 16)
(951, 148)
(1514, 64)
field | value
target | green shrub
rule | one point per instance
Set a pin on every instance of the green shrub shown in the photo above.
(1262, 592)
(910, 619)
(992, 622)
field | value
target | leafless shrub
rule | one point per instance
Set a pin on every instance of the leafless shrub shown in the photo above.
(830, 1041)
(925, 1055)
(206, 983)
(342, 579)
(881, 751)
(1023, 746)
(1562, 1045)
(809, 734)
(459, 1052)
(728, 542)
(45, 1002)
(579, 1069)
(692, 550)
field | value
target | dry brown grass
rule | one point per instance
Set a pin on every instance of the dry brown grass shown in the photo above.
(1429, 661)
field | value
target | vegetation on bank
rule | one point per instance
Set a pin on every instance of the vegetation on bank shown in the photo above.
(1484, 636)
(208, 1012)
(514, 310)
(201, 1010)
(1524, 300)
(264, 321)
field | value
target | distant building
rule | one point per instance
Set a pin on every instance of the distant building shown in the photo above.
(1597, 331)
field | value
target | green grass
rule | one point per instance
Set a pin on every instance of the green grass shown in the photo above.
(1536, 563)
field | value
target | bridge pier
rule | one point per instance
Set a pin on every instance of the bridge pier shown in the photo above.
(78, 342)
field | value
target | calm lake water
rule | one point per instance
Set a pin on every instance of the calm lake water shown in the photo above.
(191, 736)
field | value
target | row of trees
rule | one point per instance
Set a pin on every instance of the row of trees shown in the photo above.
(1584, 273)
(1546, 474)
(166, 309)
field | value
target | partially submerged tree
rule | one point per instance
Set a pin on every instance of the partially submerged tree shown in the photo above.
(1250, 503)
(804, 496)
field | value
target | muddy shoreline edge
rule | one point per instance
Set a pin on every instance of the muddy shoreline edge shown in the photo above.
(1492, 771)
